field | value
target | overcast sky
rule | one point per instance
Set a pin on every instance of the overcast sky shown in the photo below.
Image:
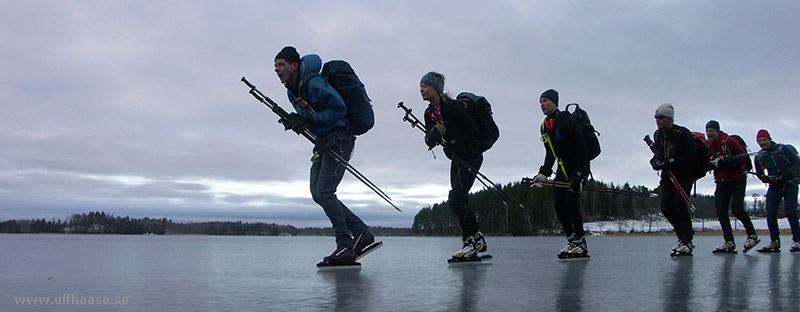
(136, 108)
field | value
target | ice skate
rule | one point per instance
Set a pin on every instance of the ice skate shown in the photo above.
(578, 250)
(752, 241)
(480, 242)
(726, 248)
(684, 250)
(365, 243)
(342, 257)
(468, 249)
(795, 247)
(773, 246)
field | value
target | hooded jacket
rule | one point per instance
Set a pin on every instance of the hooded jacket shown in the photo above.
(725, 147)
(326, 102)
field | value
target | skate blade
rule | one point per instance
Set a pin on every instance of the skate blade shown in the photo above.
(370, 248)
(769, 251)
(573, 257)
(680, 255)
(339, 265)
(725, 252)
(478, 259)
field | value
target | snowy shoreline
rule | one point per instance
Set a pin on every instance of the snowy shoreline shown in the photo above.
(661, 225)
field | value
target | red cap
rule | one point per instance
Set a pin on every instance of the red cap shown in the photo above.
(763, 133)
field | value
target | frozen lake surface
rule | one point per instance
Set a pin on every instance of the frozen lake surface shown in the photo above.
(225, 273)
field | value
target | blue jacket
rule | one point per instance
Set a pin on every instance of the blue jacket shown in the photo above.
(780, 161)
(326, 102)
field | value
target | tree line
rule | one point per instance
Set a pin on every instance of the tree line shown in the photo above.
(537, 217)
(102, 223)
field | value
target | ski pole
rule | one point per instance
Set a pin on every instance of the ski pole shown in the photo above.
(672, 177)
(317, 142)
(601, 189)
(416, 123)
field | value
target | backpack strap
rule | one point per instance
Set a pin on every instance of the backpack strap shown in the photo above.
(546, 139)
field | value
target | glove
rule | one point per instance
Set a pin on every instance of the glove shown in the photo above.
(726, 162)
(576, 183)
(301, 125)
(765, 178)
(714, 163)
(289, 121)
(665, 165)
(656, 163)
(538, 178)
(433, 137)
(441, 128)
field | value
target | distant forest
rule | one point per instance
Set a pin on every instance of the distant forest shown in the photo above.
(537, 216)
(102, 223)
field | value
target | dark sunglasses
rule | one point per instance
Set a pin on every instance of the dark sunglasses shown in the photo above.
(660, 117)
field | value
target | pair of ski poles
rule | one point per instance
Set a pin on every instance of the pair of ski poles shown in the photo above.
(491, 186)
(672, 177)
(599, 189)
(317, 142)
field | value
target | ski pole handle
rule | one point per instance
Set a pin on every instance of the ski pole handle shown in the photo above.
(248, 83)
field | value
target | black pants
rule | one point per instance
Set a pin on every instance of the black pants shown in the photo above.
(567, 207)
(732, 193)
(675, 208)
(461, 181)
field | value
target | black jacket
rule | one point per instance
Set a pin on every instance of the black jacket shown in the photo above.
(461, 130)
(676, 143)
(563, 132)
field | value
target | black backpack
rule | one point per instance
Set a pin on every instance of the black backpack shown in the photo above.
(749, 165)
(702, 164)
(587, 130)
(341, 76)
(481, 112)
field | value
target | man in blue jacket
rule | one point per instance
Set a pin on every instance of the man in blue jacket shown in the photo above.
(321, 110)
(782, 166)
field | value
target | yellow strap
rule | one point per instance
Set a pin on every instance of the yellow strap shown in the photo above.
(546, 139)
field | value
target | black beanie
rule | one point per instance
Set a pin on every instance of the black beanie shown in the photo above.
(550, 94)
(289, 54)
(712, 124)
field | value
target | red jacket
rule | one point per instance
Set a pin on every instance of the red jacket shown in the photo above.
(727, 147)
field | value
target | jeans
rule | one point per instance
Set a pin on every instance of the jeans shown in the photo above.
(675, 208)
(326, 173)
(787, 192)
(732, 193)
(461, 181)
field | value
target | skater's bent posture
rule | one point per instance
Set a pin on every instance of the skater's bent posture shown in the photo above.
(323, 113)
(447, 122)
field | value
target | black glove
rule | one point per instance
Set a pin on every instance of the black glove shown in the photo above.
(656, 163)
(576, 182)
(301, 125)
(726, 163)
(665, 165)
(765, 178)
(289, 121)
(433, 137)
